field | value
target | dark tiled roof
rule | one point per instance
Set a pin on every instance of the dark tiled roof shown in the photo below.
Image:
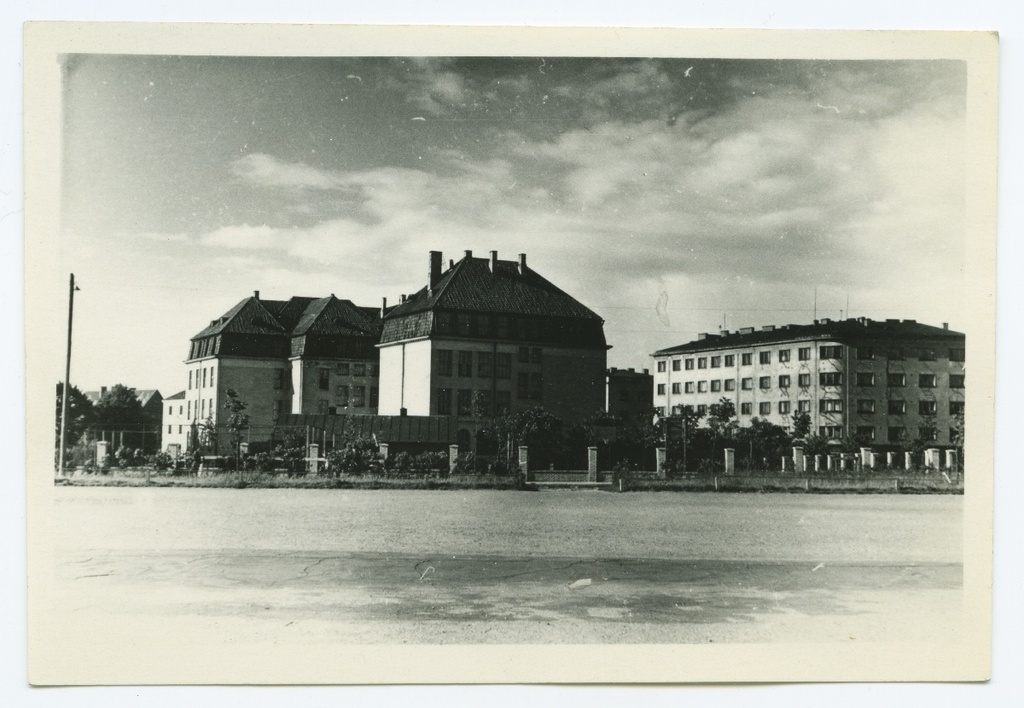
(179, 396)
(385, 428)
(860, 330)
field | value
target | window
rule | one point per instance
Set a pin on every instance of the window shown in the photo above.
(897, 407)
(830, 352)
(444, 401)
(830, 405)
(866, 405)
(730, 360)
(746, 359)
(896, 380)
(501, 327)
(189, 380)
(169, 429)
(803, 406)
(278, 379)
(342, 396)
(927, 407)
(278, 409)
(830, 378)
(170, 411)
(747, 384)
(957, 355)
(524, 358)
(189, 417)
(897, 353)
(212, 372)
(897, 433)
(784, 381)
(359, 369)
(503, 366)
(746, 408)
(443, 362)
(503, 402)
(865, 378)
(484, 365)
(536, 385)
(523, 387)
(660, 410)
(661, 364)
(179, 430)
(764, 357)
(374, 396)
(865, 432)
(445, 324)
(830, 431)
(465, 364)
(702, 362)
(689, 386)
(865, 352)
(730, 384)
(358, 396)
(784, 407)
(926, 380)
(465, 324)
(927, 434)
(765, 382)
(204, 377)
(464, 401)
(535, 355)
(783, 355)
(956, 407)
(702, 387)
(675, 364)
(926, 355)
(804, 353)
(716, 385)
(804, 380)
(324, 383)
(702, 409)
(716, 362)
(375, 370)
(764, 408)
(323, 407)
(485, 402)
(677, 388)
(203, 408)
(343, 369)
(956, 380)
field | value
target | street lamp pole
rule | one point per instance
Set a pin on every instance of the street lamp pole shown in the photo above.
(67, 375)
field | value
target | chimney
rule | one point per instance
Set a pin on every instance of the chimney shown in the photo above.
(469, 253)
(647, 371)
(256, 294)
(434, 274)
(945, 325)
(494, 261)
(383, 306)
(702, 336)
(103, 391)
(522, 263)
(768, 328)
(402, 299)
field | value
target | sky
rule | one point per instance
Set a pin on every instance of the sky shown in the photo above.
(671, 196)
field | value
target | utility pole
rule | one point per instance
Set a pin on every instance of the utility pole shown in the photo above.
(67, 375)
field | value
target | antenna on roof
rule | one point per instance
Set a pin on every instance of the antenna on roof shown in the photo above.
(815, 302)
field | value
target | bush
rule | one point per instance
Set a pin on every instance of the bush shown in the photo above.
(356, 458)
(160, 461)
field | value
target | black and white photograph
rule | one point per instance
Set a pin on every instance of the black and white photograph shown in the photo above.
(405, 356)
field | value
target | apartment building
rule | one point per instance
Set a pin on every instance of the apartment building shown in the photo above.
(175, 427)
(630, 393)
(888, 382)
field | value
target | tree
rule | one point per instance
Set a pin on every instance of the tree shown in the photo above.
(765, 441)
(119, 410)
(801, 425)
(80, 415)
(237, 424)
(722, 417)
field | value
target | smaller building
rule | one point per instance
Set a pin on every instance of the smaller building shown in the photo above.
(174, 430)
(143, 434)
(630, 393)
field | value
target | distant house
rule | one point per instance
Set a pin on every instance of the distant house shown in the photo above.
(487, 337)
(143, 434)
(174, 429)
(630, 393)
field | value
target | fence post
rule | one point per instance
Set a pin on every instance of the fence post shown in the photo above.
(931, 458)
(865, 457)
(453, 458)
(908, 460)
(101, 454)
(785, 464)
(659, 461)
(313, 458)
(830, 461)
(890, 459)
(383, 448)
(592, 464)
(799, 462)
(951, 461)
(819, 462)
(730, 462)
(524, 462)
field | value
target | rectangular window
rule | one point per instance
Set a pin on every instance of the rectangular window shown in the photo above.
(746, 408)
(957, 355)
(896, 380)
(465, 324)
(536, 386)
(865, 378)
(804, 380)
(730, 384)
(830, 378)
(523, 377)
(716, 385)
(189, 380)
(374, 396)
(358, 396)
(897, 354)
(179, 430)
(483, 325)
(189, 416)
(661, 366)
(465, 402)
(524, 358)
(830, 431)
(783, 355)
(926, 355)
(169, 429)
(764, 408)
(764, 357)
(926, 380)
(784, 407)
(212, 373)
(803, 406)
(375, 370)
(278, 409)
(204, 377)
(503, 366)
(956, 407)
(746, 359)
(702, 409)
(501, 327)
(897, 407)
(278, 384)
(897, 433)
(484, 365)
(804, 353)
(689, 386)
(445, 323)
(203, 408)
(764, 383)
(485, 401)
(523, 386)
(702, 387)
(324, 379)
(784, 381)
(359, 369)
(170, 411)
(865, 432)
(747, 384)
(956, 380)
(928, 434)
(341, 395)
(676, 388)
(830, 405)
(465, 364)
(443, 362)
(865, 352)
(702, 362)
(535, 355)
(675, 364)
(344, 369)
(730, 360)
(830, 352)
(503, 402)
(865, 405)
(716, 362)
(444, 401)
(927, 407)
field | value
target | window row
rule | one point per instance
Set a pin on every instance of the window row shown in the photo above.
(899, 380)
(509, 327)
(488, 364)
(825, 378)
(200, 377)
(343, 369)
(202, 409)
(923, 354)
(347, 396)
(896, 433)
(472, 403)
(831, 351)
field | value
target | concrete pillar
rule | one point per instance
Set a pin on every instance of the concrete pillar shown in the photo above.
(865, 457)
(890, 459)
(524, 462)
(101, 453)
(799, 463)
(830, 462)
(785, 464)
(313, 458)
(730, 460)
(872, 460)
(659, 461)
(453, 458)
(819, 463)
(383, 448)
(931, 458)
(844, 462)
(592, 464)
(951, 460)
(908, 460)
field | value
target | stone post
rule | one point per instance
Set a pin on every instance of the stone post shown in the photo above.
(865, 457)
(524, 462)
(785, 465)
(844, 462)
(799, 463)
(951, 461)
(931, 458)
(101, 454)
(872, 460)
(453, 458)
(592, 464)
(659, 461)
(908, 460)
(819, 462)
(730, 460)
(890, 459)
(831, 460)
(313, 458)
(383, 448)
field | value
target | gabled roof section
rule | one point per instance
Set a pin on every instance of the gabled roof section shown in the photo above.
(179, 396)
(859, 329)
(471, 286)
(249, 316)
(147, 395)
(332, 316)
